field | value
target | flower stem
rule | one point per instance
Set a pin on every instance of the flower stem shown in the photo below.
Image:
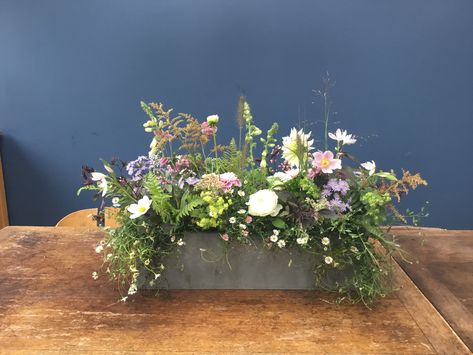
(216, 154)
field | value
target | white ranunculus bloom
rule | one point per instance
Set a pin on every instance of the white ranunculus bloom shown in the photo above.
(295, 145)
(263, 203)
(370, 166)
(140, 208)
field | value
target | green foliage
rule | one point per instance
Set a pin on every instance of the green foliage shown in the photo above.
(160, 199)
(188, 203)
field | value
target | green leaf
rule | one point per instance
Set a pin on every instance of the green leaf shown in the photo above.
(87, 188)
(386, 175)
(278, 223)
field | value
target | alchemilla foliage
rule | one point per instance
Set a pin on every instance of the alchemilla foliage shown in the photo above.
(254, 190)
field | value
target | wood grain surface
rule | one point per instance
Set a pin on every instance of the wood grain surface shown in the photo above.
(440, 262)
(50, 303)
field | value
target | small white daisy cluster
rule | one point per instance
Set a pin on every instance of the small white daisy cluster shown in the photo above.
(274, 238)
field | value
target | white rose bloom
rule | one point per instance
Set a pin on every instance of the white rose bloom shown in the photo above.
(263, 203)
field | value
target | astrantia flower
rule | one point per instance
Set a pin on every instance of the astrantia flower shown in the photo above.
(263, 203)
(370, 166)
(208, 130)
(140, 208)
(229, 180)
(325, 162)
(297, 145)
(343, 137)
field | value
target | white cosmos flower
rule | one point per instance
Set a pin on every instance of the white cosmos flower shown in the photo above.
(263, 203)
(140, 208)
(295, 145)
(370, 166)
(342, 136)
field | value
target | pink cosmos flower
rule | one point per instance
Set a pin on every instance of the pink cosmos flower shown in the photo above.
(229, 180)
(207, 129)
(225, 237)
(326, 162)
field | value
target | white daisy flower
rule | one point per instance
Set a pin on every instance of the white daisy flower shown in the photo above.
(281, 243)
(328, 259)
(232, 220)
(325, 241)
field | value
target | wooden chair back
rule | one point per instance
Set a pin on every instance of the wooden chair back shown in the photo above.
(83, 218)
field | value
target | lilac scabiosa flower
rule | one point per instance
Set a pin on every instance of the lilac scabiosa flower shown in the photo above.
(138, 168)
(336, 185)
(338, 205)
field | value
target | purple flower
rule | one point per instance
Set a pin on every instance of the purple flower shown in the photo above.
(138, 168)
(192, 180)
(336, 185)
(338, 205)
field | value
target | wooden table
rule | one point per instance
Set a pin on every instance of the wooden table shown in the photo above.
(50, 303)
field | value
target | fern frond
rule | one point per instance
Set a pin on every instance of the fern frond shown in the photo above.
(160, 199)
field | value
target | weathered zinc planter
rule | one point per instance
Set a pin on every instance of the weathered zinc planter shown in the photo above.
(205, 263)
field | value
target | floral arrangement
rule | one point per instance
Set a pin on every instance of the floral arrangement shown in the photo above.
(287, 195)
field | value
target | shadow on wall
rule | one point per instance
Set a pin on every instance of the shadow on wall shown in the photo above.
(40, 182)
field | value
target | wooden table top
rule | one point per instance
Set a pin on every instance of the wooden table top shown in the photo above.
(440, 262)
(49, 302)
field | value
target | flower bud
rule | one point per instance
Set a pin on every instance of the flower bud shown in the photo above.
(212, 120)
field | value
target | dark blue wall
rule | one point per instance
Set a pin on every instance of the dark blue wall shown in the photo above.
(72, 74)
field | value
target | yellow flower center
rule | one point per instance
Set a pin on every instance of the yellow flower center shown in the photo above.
(324, 162)
(141, 209)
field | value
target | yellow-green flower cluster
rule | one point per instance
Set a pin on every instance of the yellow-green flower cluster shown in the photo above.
(216, 206)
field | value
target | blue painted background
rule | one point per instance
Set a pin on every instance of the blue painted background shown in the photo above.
(72, 74)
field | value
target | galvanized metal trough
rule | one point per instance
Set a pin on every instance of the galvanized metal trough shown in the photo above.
(205, 262)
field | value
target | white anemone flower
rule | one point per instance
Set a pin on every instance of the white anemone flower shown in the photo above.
(296, 145)
(140, 208)
(342, 136)
(103, 181)
(370, 166)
